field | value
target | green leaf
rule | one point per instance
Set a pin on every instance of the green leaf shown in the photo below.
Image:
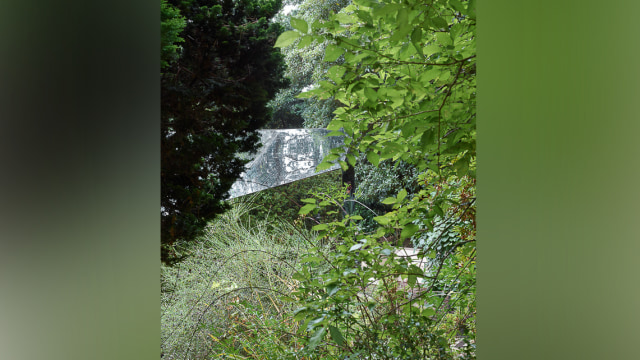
(343, 165)
(335, 73)
(440, 23)
(324, 166)
(411, 280)
(402, 17)
(382, 220)
(316, 338)
(456, 5)
(373, 158)
(428, 138)
(336, 335)
(389, 201)
(432, 49)
(428, 312)
(305, 41)
(386, 9)
(332, 289)
(401, 32)
(320, 227)
(455, 30)
(300, 313)
(306, 209)
(462, 166)
(402, 194)
(351, 160)
(386, 252)
(324, 84)
(300, 25)
(471, 9)
(345, 19)
(309, 201)
(355, 247)
(416, 40)
(438, 210)
(409, 230)
(287, 38)
(332, 52)
(314, 322)
(444, 38)
(370, 94)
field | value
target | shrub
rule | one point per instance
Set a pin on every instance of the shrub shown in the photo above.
(227, 296)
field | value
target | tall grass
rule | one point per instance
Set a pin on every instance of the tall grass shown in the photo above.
(227, 299)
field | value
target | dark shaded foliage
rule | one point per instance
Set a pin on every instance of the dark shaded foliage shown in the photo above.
(214, 99)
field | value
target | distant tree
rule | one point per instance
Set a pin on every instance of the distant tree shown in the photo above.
(214, 98)
(305, 68)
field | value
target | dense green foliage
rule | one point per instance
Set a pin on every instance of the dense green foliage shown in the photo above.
(282, 203)
(407, 92)
(172, 24)
(226, 298)
(214, 99)
(403, 75)
(304, 69)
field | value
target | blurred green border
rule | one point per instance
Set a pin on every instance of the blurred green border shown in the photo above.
(557, 179)
(79, 180)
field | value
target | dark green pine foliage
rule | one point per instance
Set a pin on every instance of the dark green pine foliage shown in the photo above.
(214, 99)
(172, 24)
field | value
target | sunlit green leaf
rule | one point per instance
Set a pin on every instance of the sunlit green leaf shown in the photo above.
(300, 25)
(373, 158)
(389, 201)
(324, 166)
(370, 94)
(332, 52)
(386, 9)
(345, 19)
(320, 227)
(305, 41)
(335, 73)
(355, 247)
(287, 38)
(343, 165)
(351, 159)
(306, 209)
(408, 231)
(402, 194)
(444, 38)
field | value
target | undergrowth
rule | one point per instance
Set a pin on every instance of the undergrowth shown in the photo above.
(225, 300)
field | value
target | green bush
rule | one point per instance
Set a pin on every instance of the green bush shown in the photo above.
(227, 297)
(365, 300)
(282, 203)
